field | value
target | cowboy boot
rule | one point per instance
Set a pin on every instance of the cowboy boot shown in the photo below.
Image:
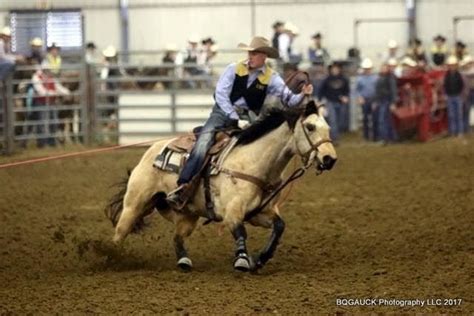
(179, 197)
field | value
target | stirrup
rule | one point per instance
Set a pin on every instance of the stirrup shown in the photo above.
(177, 198)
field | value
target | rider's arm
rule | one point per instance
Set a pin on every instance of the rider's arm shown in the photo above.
(278, 88)
(223, 89)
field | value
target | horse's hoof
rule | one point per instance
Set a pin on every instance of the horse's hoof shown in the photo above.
(185, 264)
(242, 263)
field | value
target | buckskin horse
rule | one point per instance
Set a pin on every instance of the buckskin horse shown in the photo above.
(261, 153)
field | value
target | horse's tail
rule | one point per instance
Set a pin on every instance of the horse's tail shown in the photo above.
(114, 207)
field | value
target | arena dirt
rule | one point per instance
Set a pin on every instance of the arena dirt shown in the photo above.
(387, 222)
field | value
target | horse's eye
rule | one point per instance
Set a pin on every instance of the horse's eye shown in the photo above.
(310, 127)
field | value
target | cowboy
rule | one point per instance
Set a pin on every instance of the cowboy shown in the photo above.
(36, 56)
(53, 59)
(241, 88)
(7, 60)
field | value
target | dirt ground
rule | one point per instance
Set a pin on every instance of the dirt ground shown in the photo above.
(393, 222)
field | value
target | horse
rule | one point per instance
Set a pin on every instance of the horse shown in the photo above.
(263, 151)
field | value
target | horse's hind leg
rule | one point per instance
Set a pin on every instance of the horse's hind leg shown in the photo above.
(267, 252)
(185, 225)
(138, 200)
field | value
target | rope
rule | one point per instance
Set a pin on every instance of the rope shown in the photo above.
(91, 151)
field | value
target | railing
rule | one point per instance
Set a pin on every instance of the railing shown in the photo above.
(134, 103)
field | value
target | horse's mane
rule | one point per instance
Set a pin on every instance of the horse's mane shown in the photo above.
(269, 122)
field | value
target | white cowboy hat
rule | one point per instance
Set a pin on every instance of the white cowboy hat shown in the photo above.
(407, 61)
(466, 60)
(109, 51)
(6, 31)
(36, 42)
(290, 27)
(214, 48)
(262, 45)
(452, 60)
(367, 63)
(392, 62)
(392, 44)
(171, 47)
(193, 39)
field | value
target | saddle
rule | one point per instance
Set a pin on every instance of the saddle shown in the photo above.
(184, 144)
(174, 154)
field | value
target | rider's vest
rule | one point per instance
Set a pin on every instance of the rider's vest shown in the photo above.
(255, 94)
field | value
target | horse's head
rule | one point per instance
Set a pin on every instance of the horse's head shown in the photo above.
(312, 139)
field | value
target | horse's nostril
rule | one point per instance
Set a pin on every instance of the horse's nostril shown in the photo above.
(328, 162)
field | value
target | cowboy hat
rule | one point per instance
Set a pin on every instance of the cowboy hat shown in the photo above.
(6, 31)
(290, 27)
(466, 60)
(452, 60)
(36, 42)
(392, 44)
(439, 37)
(193, 39)
(366, 64)
(408, 61)
(110, 51)
(392, 62)
(171, 47)
(260, 44)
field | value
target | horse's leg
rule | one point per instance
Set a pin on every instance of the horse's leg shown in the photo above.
(140, 191)
(185, 224)
(242, 259)
(267, 252)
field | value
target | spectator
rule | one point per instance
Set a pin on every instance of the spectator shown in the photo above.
(53, 59)
(47, 88)
(453, 87)
(467, 70)
(409, 67)
(110, 70)
(460, 50)
(335, 89)
(36, 55)
(392, 52)
(439, 50)
(365, 91)
(394, 67)
(169, 60)
(208, 52)
(285, 42)
(91, 53)
(7, 60)
(416, 51)
(277, 30)
(317, 54)
(386, 96)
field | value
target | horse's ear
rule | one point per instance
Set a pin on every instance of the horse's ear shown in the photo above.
(311, 108)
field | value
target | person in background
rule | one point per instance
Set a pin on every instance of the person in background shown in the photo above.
(365, 92)
(36, 55)
(285, 42)
(317, 54)
(439, 50)
(47, 88)
(453, 87)
(53, 59)
(392, 52)
(416, 51)
(7, 59)
(169, 61)
(335, 89)
(91, 54)
(467, 71)
(277, 30)
(386, 96)
(460, 50)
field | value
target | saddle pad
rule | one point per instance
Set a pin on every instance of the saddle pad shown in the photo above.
(169, 160)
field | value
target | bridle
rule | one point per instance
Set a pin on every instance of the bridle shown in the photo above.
(311, 154)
